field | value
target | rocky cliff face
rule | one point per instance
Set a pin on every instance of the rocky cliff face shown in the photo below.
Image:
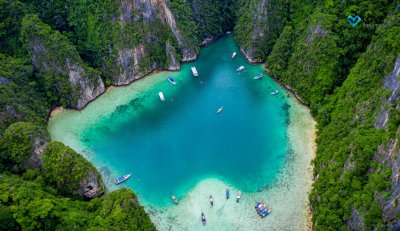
(259, 25)
(188, 52)
(142, 36)
(389, 156)
(91, 186)
(392, 84)
(73, 82)
(34, 159)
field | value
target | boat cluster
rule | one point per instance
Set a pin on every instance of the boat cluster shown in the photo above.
(262, 209)
(203, 217)
(196, 74)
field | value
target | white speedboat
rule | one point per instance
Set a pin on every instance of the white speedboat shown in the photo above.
(194, 71)
(259, 76)
(233, 55)
(121, 179)
(274, 92)
(162, 98)
(240, 68)
(174, 198)
(220, 110)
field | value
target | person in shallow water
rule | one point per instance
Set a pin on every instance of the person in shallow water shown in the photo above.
(211, 200)
(203, 218)
(238, 197)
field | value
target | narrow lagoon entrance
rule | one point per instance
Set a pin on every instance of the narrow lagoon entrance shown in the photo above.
(182, 146)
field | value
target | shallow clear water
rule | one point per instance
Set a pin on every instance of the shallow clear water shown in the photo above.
(171, 146)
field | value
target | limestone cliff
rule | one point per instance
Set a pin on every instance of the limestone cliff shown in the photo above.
(259, 25)
(131, 38)
(22, 146)
(73, 83)
(70, 173)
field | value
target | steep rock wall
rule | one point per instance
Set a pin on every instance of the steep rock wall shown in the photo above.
(259, 25)
(71, 82)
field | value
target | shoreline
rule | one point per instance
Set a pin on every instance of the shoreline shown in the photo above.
(307, 225)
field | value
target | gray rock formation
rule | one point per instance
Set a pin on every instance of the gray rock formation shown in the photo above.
(128, 62)
(188, 53)
(391, 83)
(355, 222)
(89, 89)
(54, 57)
(34, 160)
(389, 156)
(174, 63)
(4, 80)
(133, 60)
(91, 186)
(260, 28)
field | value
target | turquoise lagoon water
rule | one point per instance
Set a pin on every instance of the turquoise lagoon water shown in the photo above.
(171, 146)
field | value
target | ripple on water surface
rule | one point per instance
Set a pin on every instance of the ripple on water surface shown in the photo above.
(183, 146)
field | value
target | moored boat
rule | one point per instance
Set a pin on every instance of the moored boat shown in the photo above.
(240, 68)
(203, 218)
(274, 92)
(220, 110)
(174, 198)
(194, 71)
(162, 98)
(211, 200)
(227, 193)
(121, 179)
(233, 55)
(228, 32)
(239, 195)
(259, 76)
(171, 80)
(262, 209)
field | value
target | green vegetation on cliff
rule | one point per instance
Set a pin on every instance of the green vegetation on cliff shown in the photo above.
(18, 143)
(65, 169)
(341, 72)
(60, 53)
(34, 206)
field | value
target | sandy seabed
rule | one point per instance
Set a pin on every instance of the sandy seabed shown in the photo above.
(287, 197)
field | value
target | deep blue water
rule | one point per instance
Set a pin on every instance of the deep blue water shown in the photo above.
(169, 146)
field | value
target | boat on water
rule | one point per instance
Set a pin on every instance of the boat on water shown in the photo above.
(194, 71)
(259, 76)
(121, 179)
(240, 68)
(227, 193)
(239, 195)
(274, 92)
(211, 201)
(233, 55)
(220, 110)
(228, 32)
(174, 198)
(162, 98)
(262, 209)
(203, 218)
(171, 80)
